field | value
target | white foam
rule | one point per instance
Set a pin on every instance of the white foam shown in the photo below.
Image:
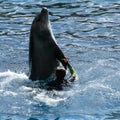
(19, 95)
(51, 101)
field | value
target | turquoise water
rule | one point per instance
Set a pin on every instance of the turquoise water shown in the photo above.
(88, 31)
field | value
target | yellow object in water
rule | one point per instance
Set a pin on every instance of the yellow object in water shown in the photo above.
(72, 71)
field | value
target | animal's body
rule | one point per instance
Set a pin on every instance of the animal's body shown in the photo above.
(44, 53)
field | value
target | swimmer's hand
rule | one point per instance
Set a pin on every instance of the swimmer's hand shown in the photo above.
(65, 62)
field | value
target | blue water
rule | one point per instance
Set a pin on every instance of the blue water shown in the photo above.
(88, 31)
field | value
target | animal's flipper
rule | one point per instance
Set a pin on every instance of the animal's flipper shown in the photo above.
(60, 56)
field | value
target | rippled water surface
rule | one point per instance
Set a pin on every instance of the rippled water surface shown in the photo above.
(88, 31)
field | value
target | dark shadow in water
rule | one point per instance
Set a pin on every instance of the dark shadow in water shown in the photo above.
(113, 115)
(32, 119)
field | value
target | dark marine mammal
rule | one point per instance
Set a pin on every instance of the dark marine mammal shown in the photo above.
(44, 53)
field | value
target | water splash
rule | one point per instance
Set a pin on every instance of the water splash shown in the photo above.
(19, 95)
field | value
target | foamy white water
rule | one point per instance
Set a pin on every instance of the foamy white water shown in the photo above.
(19, 95)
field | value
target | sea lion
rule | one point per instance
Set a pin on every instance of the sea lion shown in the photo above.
(44, 52)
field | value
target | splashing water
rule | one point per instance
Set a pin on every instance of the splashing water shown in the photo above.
(19, 95)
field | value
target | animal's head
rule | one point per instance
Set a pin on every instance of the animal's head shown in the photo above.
(41, 21)
(41, 27)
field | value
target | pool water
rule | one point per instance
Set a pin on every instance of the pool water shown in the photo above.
(88, 32)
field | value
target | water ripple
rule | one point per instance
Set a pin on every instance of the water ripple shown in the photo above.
(87, 31)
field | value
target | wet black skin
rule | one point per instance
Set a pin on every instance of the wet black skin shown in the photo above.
(44, 53)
